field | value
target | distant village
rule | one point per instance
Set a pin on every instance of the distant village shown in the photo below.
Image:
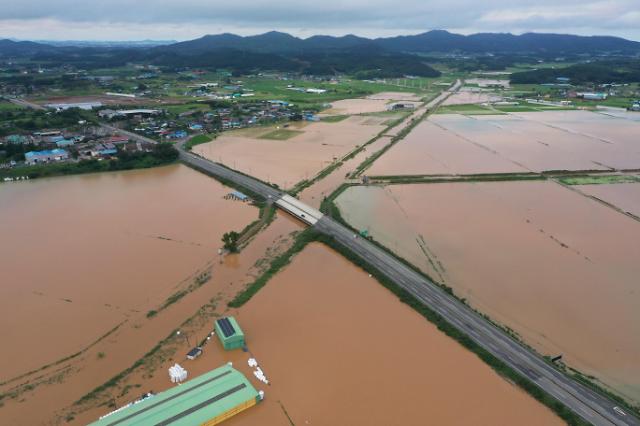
(158, 125)
(61, 145)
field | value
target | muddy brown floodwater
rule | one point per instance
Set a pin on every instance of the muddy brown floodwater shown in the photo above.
(81, 254)
(357, 106)
(616, 137)
(471, 96)
(625, 196)
(341, 349)
(431, 149)
(145, 236)
(396, 96)
(540, 141)
(559, 268)
(550, 140)
(286, 162)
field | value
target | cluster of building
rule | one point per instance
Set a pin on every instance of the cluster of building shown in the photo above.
(58, 145)
(589, 96)
(208, 399)
(152, 122)
(162, 125)
(306, 89)
(401, 106)
(252, 113)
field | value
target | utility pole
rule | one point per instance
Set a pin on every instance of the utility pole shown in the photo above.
(186, 336)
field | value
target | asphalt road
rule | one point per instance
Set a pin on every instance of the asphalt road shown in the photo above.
(215, 169)
(131, 135)
(591, 406)
(588, 404)
(26, 104)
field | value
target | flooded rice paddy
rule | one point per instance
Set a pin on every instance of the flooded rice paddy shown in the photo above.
(431, 149)
(82, 254)
(314, 194)
(471, 96)
(356, 106)
(559, 268)
(395, 96)
(539, 141)
(373, 103)
(625, 196)
(286, 162)
(49, 395)
(341, 349)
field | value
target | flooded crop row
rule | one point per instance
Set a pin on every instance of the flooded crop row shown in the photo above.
(431, 149)
(557, 267)
(471, 96)
(625, 196)
(356, 106)
(341, 349)
(81, 254)
(540, 141)
(88, 253)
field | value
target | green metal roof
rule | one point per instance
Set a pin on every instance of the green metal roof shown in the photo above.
(236, 327)
(192, 403)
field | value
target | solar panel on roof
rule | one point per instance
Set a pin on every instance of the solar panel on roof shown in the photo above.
(227, 327)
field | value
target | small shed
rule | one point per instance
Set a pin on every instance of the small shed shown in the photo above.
(237, 195)
(194, 353)
(229, 333)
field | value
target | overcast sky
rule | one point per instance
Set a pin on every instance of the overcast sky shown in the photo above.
(187, 19)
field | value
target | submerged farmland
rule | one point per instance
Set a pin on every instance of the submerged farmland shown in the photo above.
(341, 349)
(557, 267)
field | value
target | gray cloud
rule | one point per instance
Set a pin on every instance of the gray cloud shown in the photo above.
(123, 19)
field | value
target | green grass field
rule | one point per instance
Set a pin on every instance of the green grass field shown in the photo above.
(197, 140)
(334, 118)
(599, 180)
(181, 108)
(281, 134)
(8, 106)
(516, 108)
(467, 109)
(527, 107)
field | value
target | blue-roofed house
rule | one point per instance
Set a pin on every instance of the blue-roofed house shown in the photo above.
(195, 126)
(104, 150)
(37, 157)
(178, 134)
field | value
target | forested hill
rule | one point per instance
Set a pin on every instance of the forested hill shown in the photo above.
(428, 42)
(328, 55)
(608, 71)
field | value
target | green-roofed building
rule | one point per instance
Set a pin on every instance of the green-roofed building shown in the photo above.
(206, 400)
(229, 333)
(17, 139)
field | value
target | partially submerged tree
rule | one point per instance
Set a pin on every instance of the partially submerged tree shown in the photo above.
(230, 240)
